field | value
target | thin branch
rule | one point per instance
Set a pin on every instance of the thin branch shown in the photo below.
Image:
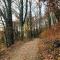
(5, 3)
(16, 3)
(1, 13)
(26, 10)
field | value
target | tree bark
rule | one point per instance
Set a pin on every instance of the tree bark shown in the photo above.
(30, 19)
(26, 10)
(9, 26)
(21, 18)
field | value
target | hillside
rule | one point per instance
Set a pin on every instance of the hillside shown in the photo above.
(52, 33)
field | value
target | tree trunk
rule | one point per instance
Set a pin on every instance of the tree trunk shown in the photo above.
(9, 35)
(39, 14)
(9, 26)
(26, 10)
(21, 18)
(49, 20)
(30, 20)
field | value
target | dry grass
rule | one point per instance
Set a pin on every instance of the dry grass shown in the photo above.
(52, 33)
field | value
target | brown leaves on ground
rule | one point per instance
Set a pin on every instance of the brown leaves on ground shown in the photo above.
(52, 33)
(37, 49)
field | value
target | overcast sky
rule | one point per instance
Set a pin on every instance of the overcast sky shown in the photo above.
(34, 7)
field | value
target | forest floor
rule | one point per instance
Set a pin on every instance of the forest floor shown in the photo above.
(36, 49)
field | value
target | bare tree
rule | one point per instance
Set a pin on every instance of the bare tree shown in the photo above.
(20, 4)
(7, 15)
(52, 11)
(30, 17)
(26, 9)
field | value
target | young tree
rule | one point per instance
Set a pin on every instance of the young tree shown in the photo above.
(21, 17)
(30, 17)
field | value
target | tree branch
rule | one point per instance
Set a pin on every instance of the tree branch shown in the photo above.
(1, 14)
(26, 10)
(5, 3)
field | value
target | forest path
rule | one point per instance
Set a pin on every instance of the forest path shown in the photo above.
(35, 49)
(32, 50)
(27, 51)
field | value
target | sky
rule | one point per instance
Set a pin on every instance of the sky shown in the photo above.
(34, 8)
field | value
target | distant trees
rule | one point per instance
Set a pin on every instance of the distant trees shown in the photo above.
(24, 7)
(57, 9)
(52, 11)
(21, 15)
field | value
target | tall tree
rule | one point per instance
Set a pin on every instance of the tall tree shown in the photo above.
(21, 17)
(8, 20)
(9, 26)
(26, 9)
(30, 17)
(20, 4)
(39, 13)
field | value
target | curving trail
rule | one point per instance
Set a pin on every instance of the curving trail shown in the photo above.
(32, 50)
(28, 51)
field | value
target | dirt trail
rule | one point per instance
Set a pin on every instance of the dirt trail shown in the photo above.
(28, 51)
(37, 49)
